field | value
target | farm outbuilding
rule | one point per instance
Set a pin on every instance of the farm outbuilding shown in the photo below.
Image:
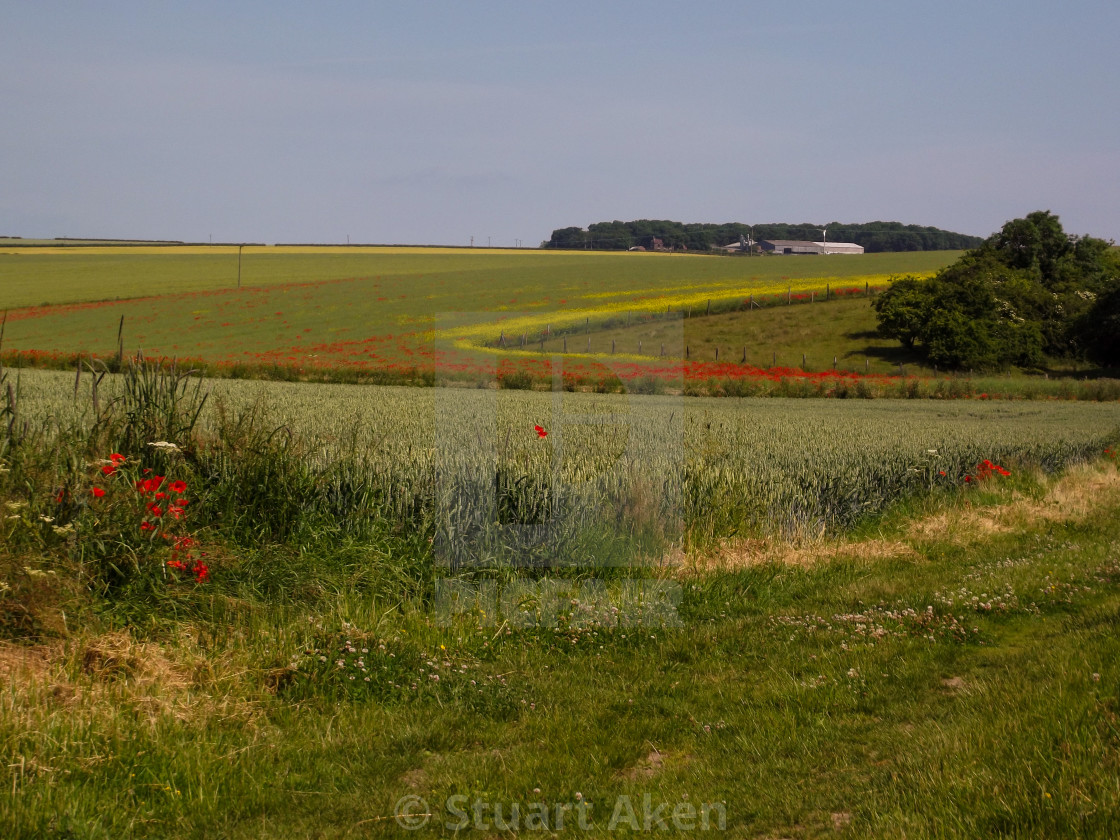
(797, 246)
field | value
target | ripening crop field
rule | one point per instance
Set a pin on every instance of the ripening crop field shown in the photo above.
(375, 309)
(617, 475)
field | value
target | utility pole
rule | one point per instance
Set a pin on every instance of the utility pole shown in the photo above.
(239, 247)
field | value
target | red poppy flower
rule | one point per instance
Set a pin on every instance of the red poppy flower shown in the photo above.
(97, 492)
(541, 433)
(109, 469)
(179, 487)
(147, 526)
(201, 572)
(154, 509)
(117, 458)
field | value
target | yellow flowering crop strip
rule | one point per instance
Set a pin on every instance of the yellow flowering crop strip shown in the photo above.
(473, 336)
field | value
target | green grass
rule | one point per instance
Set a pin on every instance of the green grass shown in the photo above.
(777, 698)
(838, 334)
(774, 336)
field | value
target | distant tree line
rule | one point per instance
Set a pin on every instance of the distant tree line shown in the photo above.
(1029, 292)
(678, 236)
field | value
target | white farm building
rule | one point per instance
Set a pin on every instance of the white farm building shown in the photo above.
(795, 246)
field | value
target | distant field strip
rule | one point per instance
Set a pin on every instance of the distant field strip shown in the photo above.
(374, 309)
(37, 276)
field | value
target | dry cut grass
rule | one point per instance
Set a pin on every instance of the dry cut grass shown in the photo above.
(1078, 495)
(156, 682)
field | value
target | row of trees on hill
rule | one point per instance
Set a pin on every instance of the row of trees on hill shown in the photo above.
(677, 236)
(1028, 292)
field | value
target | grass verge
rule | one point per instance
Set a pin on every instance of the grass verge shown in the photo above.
(949, 672)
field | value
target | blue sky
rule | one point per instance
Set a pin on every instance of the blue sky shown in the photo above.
(429, 123)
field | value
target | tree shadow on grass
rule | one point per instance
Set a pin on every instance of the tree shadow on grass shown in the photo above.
(884, 350)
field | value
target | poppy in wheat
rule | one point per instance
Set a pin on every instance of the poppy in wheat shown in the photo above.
(179, 487)
(541, 433)
(97, 492)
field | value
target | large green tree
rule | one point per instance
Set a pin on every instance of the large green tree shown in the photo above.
(1029, 290)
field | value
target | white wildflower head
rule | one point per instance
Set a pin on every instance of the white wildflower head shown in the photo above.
(164, 446)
